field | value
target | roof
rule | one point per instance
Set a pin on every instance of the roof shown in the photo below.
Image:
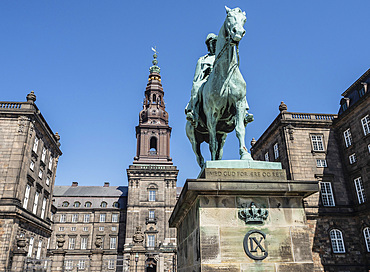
(361, 79)
(86, 191)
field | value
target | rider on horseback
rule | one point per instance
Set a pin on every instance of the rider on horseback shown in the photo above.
(202, 72)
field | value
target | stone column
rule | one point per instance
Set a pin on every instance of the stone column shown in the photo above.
(58, 255)
(96, 260)
(19, 256)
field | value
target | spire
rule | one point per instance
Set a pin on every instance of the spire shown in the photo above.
(155, 68)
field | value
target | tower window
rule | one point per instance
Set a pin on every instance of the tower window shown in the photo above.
(153, 146)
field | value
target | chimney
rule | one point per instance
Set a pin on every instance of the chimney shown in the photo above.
(74, 183)
(106, 184)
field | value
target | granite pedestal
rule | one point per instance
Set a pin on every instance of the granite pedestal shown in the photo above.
(243, 216)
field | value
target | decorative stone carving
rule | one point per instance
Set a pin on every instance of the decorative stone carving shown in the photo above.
(98, 242)
(60, 240)
(138, 237)
(253, 214)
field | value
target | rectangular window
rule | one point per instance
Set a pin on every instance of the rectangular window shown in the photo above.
(43, 154)
(151, 240)
(26, 196)
(83, 242)
(81, 264)
(73, 228)
(111, 264)
(69, 265)
(276, 151)
(101, 228)
(30, 247)
(347, 137)
(151, 214)
(352, 158)
(114, 217)
(114, 228)
(85, 229)
(152, 195)
(317, 143)
(38, 253)
(102, 217)
(43, 208)
(63, 218)
(266, 156)
(61, 228)
(50, 162)
(366, 124)
(48, 244)
(113, 243)
(35, 145)
(32, 165)
(47, 181)
(72, 243)
(321, 163)
(40, 174)
(327, 194)
(367, 238)
(360, 190)
(35, 202)
(86, 218)
(74, 218)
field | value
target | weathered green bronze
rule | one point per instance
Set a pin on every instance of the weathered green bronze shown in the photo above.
(218, 104)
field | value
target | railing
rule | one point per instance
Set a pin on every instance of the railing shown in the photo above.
(310, 116)
(10, 105)
(301, 116)
(324, 117)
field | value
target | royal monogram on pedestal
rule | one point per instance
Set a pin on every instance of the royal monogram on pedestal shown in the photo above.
(253, 214)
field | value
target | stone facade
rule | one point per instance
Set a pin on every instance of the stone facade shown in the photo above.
(316, 147)
(29, 153)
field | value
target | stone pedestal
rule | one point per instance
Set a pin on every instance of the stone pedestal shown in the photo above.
(237, 218)
(96, 260)
(58, 260)
(19, 256)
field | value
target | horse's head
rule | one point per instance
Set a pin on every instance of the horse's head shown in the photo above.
(234, 23)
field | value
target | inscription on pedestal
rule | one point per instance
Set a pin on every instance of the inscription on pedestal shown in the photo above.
(245, 174)
(253, 245)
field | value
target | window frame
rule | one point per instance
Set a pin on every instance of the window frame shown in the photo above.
(266, 156)
(43, 208)
(35, 144)
(365, 123)
(337, 241)
(86, 218)
(113, 242)
(321, 163)
(360, 190)
(347, 137)
(327, 196)
(72, 243)
(102, 216)
(152, 195)
(115, 217)
(26, 196)
(276, 151)
(74, 218)
(151, 240)
(62, 218)
(36, 202)
(352, 158)
(30, 246)
(366, 233)
(83, 242)
(317, 143)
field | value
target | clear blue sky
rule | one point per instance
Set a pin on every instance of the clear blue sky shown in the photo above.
(88, 62)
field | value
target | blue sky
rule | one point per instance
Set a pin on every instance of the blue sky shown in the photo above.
(88, 62)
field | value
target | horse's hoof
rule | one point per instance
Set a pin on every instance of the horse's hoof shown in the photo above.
(246, 156)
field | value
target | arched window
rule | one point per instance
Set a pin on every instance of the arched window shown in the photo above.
(116, 204)
(77, 204)
(367, 238)
(337, 243)
(87, 204)
(103, 204)
(152, 192)
(65, 204)
(154, 99)
(153, 145)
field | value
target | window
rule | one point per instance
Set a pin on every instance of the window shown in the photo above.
(317, 143)
(151, 240)
(114, 228)
(111, 264)
(43, 208)
(81, 264)
(65, 204)
(26, 196)
(360, 190)
(35, 202)
(32, 165)
(63, 218)
(152, 195)
(113, 243)
(69, 265)
(72, 243)
(83, 242)
(347, 137)
(61, 228)
(77, 204)
(114, 217)
(103, 204)
(266, 156)
(43, 154)
(86, 218)
(368, 147)
(102, 217)
(366, 124)
(151, 214)
(40, 174)
(73, 228)
(38, 253)
(367, 238)
(52, 216)
(337, 241)
(101, 228)
(116, 204)
(321, 163)
(30, 247)
(35, 145)
(352, 158)
(48, 244)
(361, 92)
(50, 162)
(74, 218)
(88, 204)
(276, 151)
(47, 181)
(327, 194)
(85, 229)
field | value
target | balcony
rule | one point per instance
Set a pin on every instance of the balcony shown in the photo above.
(150, 220)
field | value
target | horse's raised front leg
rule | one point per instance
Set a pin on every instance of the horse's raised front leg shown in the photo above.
(240, 130)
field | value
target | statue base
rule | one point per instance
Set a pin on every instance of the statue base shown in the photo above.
(238, 218)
